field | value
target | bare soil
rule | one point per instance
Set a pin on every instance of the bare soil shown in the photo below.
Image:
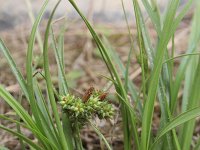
(83, 61)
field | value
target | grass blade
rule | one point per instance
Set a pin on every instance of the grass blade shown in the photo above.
(100, 135)
(194, 97)
(194, 39)
(17, 107)
(153, 85)
(60, 63)
(24, 138)
(32, 130)
(122, 68)
(29, 68)
(184, 117)
(14, 68)
(154, 15)
(63, 86)
(114, 74)
(49, 82)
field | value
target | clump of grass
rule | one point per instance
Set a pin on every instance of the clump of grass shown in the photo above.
(52, 130)
(159, 83)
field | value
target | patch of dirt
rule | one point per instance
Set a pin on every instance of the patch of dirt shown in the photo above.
(82, 58)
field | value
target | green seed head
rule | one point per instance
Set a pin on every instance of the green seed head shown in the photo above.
(80, 112)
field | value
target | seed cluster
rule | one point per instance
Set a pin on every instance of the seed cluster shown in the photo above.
(80, 111)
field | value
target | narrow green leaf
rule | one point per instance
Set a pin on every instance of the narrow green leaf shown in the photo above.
(184, 117)
(17, 107)
(35, 132)
(59, 60)
(122, 68)
(114, 74)
(194, 38)
(155, 75)
(62, 82)
(194, 97)
(100, 135)
(49, 82)
(24, 138)
(154, 15)
(29, 68)
(14, 68)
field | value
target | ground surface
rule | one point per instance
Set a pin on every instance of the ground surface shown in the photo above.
(107, 11)
(83, 67)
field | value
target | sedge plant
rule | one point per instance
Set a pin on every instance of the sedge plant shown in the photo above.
(158, 83)
(52, 129)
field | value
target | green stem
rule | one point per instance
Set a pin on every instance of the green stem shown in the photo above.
(18, 127)
(78, 140)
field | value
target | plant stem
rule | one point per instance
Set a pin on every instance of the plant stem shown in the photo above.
(18, 127)
(78, 142)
